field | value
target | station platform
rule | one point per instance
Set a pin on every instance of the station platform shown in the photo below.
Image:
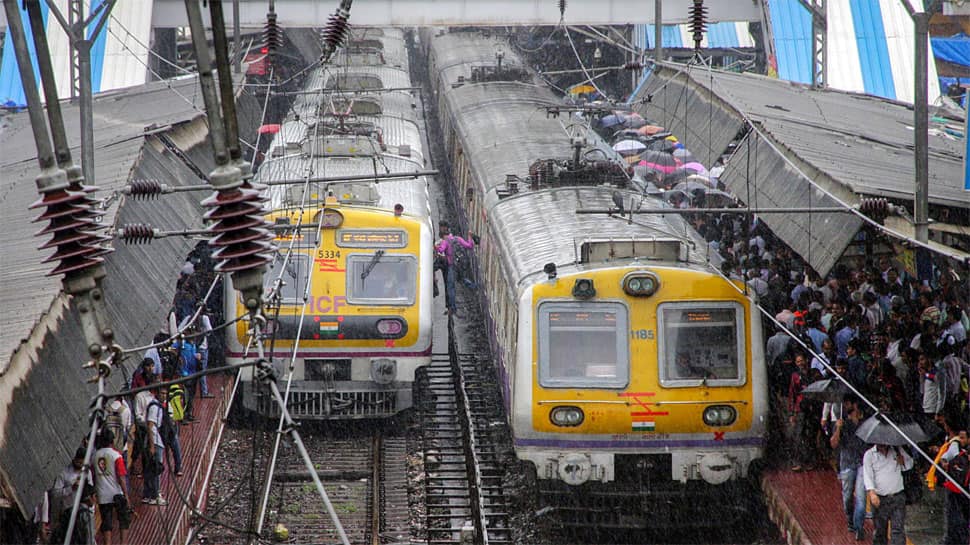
(170, 524)
(806, 507)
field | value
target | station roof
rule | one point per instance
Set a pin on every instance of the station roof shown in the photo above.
(152, 131)
(811, 147)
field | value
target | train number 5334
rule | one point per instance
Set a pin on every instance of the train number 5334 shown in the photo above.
(641, 334)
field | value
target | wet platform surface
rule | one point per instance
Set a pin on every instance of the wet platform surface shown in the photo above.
(170, 524)
(806, 507)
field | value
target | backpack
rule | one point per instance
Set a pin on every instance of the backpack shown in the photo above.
(959, 469)
(176, 402)
(114, 423)
(167, 429)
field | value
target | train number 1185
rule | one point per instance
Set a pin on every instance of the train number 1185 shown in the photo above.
(641, 334)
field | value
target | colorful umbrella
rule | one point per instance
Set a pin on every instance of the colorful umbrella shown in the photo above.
(628, 147)
(650, 130)
(580, 89)
(271, 128)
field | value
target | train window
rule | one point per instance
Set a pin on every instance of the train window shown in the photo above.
(294, 275)
(701, 342)
(381, 279)
(583, 345)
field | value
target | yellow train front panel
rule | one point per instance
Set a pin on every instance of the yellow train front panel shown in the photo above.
(637, 360)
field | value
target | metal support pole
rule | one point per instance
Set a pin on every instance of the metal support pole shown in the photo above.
(35, 110)
(206, 80)
(658, 31)
(298, 443)
(921, 127)
(87, 109)
(236, 38)
(62, 150)
(227, 98)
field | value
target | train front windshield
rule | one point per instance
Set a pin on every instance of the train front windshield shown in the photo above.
(294, 275)
(384, 280)
(583, 345)
(701, 342)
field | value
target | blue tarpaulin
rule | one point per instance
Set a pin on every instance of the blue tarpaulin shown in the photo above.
(955, 49)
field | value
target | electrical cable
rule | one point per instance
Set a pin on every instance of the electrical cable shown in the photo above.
(581, 65)
(115, 21)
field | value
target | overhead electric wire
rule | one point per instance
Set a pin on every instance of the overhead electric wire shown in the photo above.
(581, 65)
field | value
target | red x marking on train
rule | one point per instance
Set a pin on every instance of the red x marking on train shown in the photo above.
(636, 399)
(719, 436)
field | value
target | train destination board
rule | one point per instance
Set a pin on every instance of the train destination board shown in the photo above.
(371, 238)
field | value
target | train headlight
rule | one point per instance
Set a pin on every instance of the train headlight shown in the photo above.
(575, 469)
(583, 288)
(720, 415)
(331, 219)
(389, 327)
(641, 284)
(383, 370)
(567, 416)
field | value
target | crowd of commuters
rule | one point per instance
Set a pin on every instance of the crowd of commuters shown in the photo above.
(139, 434)
(897, 336)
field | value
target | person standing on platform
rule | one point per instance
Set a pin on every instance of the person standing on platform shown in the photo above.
(110, 487)
(154, 461)
(189, 361)
(202, 325)
(882, 468)
(850, 451)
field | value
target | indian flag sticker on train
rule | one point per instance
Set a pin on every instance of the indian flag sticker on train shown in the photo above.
(644, 425)
(329, 328)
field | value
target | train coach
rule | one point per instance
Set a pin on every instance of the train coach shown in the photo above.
(632, 373)
(351, 319)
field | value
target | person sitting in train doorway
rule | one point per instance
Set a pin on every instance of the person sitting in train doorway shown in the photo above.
(882, 468)
(446, 247)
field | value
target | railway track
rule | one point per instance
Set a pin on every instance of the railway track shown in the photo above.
(464, 499)
(364, 476)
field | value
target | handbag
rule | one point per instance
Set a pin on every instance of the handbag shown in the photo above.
(912, 486)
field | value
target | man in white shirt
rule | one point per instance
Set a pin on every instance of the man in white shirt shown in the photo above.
(110, 488)
(882, 468)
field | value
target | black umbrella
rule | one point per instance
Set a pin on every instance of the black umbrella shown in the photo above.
(829, 390)
(662, 144)
(877, 431)
(658, 158)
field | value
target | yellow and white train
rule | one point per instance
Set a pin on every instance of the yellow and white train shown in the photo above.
(632, 373)
(354, 310)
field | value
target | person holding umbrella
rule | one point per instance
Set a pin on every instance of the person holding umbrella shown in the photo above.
(882, 468)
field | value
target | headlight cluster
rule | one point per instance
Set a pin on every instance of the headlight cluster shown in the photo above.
(641, 284)
(567, 416)
(720, 415)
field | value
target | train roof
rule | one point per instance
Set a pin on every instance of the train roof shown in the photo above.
(457, 53)
(413, 194)
(505, 129)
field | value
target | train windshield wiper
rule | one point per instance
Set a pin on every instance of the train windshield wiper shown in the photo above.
(372, 264)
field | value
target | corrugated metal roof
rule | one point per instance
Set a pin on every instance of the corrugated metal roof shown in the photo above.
(40, 326)
(850, 144)
(120, 120)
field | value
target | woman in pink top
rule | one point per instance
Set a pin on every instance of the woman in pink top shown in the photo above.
(446, 248)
